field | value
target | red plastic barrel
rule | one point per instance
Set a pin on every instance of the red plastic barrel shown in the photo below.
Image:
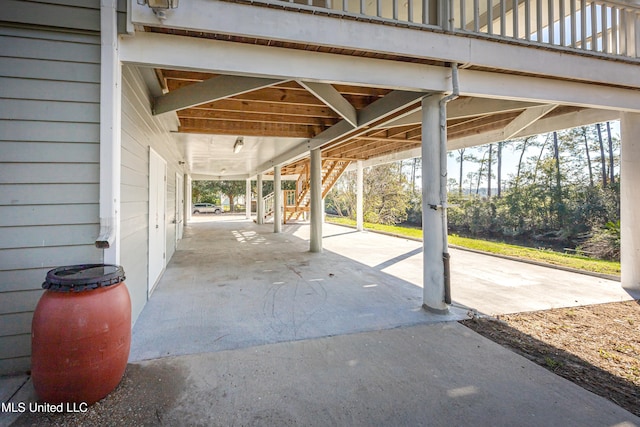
(81, 334)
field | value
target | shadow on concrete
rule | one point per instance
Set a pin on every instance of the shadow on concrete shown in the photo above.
(235, 284)
(397, 259)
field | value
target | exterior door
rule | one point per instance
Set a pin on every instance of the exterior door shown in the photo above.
(157, 216)
(179, 207)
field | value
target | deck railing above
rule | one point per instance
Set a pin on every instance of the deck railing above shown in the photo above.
(604, 27)
(608, 27)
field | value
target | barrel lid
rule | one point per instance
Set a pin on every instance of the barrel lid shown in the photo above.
(84, 277)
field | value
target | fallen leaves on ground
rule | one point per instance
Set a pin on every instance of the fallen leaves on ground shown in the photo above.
(596, 346)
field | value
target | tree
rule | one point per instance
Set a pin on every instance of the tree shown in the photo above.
(386, 194)
(489, 171)
(231, 189)
(603, 161)
(463, 155)
(500, 168)
(586, 150)
(611, 171)
(523, 149)
(385, 197)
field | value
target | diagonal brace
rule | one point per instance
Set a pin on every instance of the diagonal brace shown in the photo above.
(209, 90)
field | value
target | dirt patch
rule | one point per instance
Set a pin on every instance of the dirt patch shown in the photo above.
(596, 347)
(143, 397)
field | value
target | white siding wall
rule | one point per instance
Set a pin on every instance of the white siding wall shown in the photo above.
(49, 170)
(140, 130)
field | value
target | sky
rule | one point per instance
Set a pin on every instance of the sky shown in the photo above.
(509, 157)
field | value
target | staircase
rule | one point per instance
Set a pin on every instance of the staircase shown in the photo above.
(268, 203)
(298, 201)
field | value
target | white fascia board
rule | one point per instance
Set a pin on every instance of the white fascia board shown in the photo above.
(211, 90)
(305, 28)
(547, 91)
(333, 99)
(191, 53)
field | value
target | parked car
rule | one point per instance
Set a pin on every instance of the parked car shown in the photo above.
(206, 208)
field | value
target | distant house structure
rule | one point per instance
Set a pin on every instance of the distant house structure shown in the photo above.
(109, 109)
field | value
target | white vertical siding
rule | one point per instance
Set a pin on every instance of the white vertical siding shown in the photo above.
(140, 130)
(49, 169)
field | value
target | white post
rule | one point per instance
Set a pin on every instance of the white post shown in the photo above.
(630, 201)
(315, 244)
(188, 191)
(277, 200)
(259, 202)
(359, 196)
(432, 230)
(247, 199)
(110, 99)
(186, 194)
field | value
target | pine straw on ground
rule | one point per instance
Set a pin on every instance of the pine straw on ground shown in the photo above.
(596, 347)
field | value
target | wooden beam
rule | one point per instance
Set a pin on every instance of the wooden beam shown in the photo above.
(526, 119)
(209, 90)
(278, 94)
(333, 99)
(465, 107)
(227, 127)
(385, 109)
(204, 115)
(231, 104)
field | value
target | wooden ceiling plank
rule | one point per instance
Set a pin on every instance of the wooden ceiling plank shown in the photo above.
(268, 108)
(228, 127)
(203, 115)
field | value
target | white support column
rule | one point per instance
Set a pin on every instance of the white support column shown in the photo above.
(315, 244)
(110, 140)
(259, 201)
(359, 196)
(277, 200)
(630, 201)
(432, 230)
(186, 194)
(247, 199)
(188, 191)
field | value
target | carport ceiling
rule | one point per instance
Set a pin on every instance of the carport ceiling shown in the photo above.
(283, 114)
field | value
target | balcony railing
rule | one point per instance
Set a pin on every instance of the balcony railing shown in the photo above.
(604, 27)
(608, 27)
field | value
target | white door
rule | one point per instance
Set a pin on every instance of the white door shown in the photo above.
(179, 206)
(157, 215)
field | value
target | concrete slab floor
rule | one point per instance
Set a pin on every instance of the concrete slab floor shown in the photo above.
(234, 284)
(488, 284)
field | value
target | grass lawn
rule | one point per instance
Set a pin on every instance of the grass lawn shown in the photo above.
(541, 255)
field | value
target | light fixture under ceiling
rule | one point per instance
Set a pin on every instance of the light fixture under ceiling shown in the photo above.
(238, 145)
(160, 6)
